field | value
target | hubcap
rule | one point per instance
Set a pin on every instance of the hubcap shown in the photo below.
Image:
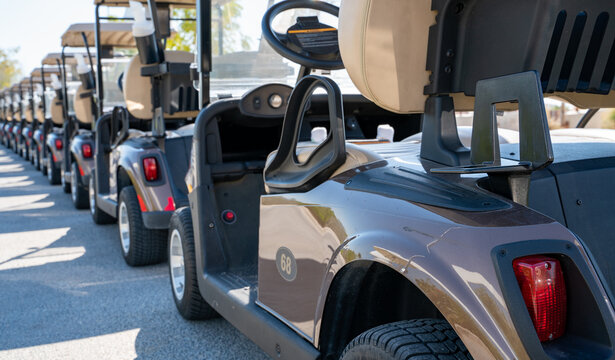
(124, 228)
(73, 185)
(176, 263)
(92, 197)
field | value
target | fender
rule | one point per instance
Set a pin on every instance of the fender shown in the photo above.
(156, 198)
(86, 165)
(455, 272)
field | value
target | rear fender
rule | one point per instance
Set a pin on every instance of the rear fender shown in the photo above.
(154, 196)
(455, 271)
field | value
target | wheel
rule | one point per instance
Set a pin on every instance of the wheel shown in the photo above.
(78, 192)
(37, 160)
(43, 167)
(410, 339)
(182, 269)
(65, 185)
(100, 217)
(53, 173)
(140, 246)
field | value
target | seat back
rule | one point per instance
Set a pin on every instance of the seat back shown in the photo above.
(138, 89)
(398, 52)
(83, 105)
(57, 113)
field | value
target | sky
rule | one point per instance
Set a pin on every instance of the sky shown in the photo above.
(35, 26)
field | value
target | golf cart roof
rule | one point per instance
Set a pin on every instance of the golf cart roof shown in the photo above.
(69, 58)
(37, 72)
(111, 34)
(125, 3)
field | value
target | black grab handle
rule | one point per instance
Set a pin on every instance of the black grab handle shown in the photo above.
(285, 173)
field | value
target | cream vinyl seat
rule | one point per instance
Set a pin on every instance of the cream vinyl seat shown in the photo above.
(83, 106)
(57, 113)
(137, 88)
(384, 44)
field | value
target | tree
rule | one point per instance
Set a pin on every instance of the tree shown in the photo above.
(226, 35)
(9, 67)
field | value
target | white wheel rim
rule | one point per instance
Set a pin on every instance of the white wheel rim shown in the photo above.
(176, 263)
(124, 228)
(73, 185)
(92, 197)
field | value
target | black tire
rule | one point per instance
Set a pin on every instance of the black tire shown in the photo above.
(53, 173)
(63, 182)
(145, 247)
(425, 339)
(37, 159)
(98, 216)
(191, 305)
(41, 156)
(79, 193)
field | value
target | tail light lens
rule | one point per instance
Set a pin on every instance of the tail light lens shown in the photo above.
(87, 150)
(58, 144)
(544, 291)
(150, 166)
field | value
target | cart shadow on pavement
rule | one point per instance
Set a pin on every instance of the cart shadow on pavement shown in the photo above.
(66, 292)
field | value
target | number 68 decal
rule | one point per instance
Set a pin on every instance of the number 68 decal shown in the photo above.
(287, 266)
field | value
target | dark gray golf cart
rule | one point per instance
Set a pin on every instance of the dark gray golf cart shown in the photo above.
(142, 148)
(409, 250)
(78, 159)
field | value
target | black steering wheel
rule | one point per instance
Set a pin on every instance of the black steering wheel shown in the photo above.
(282, 44)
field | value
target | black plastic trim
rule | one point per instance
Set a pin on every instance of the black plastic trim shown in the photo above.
(158, 220)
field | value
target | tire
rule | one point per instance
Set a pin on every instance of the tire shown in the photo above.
(142, 246)
(78, 192)
(424, 339)
(186, 295)
(53, 173)
(37, 159)
(65, 185)
(41, 156)
(100, 217)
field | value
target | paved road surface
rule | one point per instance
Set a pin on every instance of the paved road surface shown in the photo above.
(66, 293)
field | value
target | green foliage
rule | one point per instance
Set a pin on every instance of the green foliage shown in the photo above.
(9, 67)
(184, 36)
(224, 22)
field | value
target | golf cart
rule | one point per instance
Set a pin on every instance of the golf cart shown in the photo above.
(143, 147)
(42, 98)
(402, 250)
(78, 159)
(3, 118)
(56, 112)
(19, 118)
(8, 114)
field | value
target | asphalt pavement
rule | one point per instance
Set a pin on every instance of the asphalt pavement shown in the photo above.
(66, 293)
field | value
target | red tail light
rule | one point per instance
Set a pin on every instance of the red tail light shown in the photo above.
(87, 150)
(59, 144)
(542, 284)
(41, 137)
(150, 166)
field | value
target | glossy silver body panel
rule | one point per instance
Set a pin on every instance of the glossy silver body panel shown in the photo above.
(446, 254)
(58, 155)
(85, 164)
(156, 196)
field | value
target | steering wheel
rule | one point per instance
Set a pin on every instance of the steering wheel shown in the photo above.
(282, 44)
